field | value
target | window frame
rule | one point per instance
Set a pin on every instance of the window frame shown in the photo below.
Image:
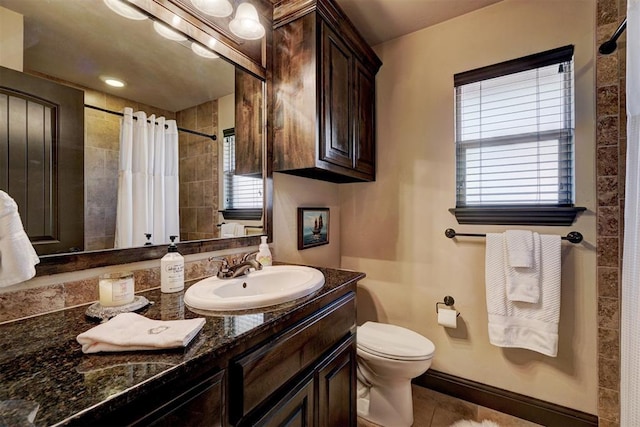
(246, 214)
(514, 214)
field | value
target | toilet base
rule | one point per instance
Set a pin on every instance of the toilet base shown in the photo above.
(391, 406)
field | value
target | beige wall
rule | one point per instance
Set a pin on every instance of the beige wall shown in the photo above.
(290, 193)
(12, 36)
(393, 229)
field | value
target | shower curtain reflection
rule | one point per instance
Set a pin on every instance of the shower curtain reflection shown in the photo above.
(147, 180)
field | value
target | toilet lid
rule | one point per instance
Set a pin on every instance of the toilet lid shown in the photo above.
(393, 342)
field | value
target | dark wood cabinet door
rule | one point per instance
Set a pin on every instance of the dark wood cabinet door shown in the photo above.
(336, 100)
(336, 379)
(364, 121)
(42, 158)
(248, 124)
(295, 409)
(200, 406)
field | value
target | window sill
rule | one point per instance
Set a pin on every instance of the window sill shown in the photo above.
(242, 214)
(518, 215)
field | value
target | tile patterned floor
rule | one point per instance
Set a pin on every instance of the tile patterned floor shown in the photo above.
(432, 409)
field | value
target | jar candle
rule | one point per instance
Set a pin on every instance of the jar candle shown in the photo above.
(116, 289)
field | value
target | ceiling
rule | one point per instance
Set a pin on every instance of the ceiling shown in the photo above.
(381, 20)
(79, 41)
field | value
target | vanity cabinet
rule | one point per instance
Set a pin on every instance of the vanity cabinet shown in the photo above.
(324, 94)
(307, 373)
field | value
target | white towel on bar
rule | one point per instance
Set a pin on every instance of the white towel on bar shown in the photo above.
(17, 256)
(131, 331)
(228, 229)
(519, 324)
(519, 248)
(523, 283)
(239, 231)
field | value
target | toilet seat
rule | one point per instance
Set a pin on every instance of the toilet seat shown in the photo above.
(393, 342)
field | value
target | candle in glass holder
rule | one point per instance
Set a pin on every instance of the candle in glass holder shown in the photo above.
(116, 289)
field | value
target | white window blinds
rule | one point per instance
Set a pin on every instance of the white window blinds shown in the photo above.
(240, 192)
(514, 132)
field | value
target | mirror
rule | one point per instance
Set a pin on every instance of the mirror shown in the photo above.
(80, 44)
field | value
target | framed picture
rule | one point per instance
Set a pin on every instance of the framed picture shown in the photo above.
(313, 227)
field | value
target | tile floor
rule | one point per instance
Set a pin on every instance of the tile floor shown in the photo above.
(432, 409)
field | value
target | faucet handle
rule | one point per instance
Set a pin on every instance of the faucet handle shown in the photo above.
(248, 255)
(224, 264)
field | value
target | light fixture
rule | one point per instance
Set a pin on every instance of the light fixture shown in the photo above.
(202, 51)
(246, 23)
(123, 9)
(168, 33)
(218, 8)
(113, 82)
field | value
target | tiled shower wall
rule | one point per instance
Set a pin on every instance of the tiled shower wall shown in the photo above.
(199, 172)
(610, 159)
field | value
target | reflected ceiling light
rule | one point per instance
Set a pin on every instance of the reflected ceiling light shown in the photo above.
(168, 33)
(202, 51)
(113, 82)
(246, 23)
(124, 9)
(218, 8)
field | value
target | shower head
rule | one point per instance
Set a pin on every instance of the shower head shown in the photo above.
(610, 45)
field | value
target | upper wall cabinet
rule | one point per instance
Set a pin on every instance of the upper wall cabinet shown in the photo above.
(324, 94)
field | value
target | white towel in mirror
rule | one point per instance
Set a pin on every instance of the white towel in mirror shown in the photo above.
(17, 256)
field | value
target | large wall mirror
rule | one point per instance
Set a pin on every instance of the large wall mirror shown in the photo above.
(105, 174)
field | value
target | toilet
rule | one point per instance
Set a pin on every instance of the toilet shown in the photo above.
(389, 357)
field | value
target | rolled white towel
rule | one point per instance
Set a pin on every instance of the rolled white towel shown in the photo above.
(131, 332)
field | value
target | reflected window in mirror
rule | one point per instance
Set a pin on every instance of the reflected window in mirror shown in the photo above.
(243, 196)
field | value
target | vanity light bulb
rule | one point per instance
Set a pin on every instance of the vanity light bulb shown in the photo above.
(123, 9)
(168, 33)
(204, 52)
(218, 8)
(246, 23)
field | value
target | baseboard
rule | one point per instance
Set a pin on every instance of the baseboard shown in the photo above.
(518, 405)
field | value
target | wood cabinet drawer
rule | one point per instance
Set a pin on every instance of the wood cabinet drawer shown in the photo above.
(258, 374)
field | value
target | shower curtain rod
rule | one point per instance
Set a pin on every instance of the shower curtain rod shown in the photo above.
(117, 113)
(610, 45)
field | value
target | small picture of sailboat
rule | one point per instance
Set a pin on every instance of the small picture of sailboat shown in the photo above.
(313, 227)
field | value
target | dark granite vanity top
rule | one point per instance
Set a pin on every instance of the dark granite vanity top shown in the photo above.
(44, 372)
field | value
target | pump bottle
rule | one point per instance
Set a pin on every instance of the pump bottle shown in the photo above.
(264, 254)
(172, 269)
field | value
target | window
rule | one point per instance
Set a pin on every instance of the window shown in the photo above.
(515, 141)
(242, 194)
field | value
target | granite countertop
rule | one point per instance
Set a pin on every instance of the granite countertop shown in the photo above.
(44, 372)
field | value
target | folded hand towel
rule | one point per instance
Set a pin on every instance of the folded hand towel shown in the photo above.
(517, 324)
(523, 283)
(17, 256)
(239, 231)
(519, 248)
(131, 331)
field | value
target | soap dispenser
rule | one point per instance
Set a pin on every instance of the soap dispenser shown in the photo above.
(172, 269)
(264, 254)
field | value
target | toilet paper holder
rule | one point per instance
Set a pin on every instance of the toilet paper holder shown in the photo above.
(448, 301)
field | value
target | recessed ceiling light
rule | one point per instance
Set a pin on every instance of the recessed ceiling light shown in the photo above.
(202, 51)
(113, 82)
(124, 9)
(168, 33)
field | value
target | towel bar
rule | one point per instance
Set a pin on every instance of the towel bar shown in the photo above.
(572, 236)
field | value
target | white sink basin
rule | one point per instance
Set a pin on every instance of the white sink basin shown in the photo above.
(262, 288)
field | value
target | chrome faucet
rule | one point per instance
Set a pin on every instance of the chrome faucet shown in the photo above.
(227, 271)
(242, 268)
